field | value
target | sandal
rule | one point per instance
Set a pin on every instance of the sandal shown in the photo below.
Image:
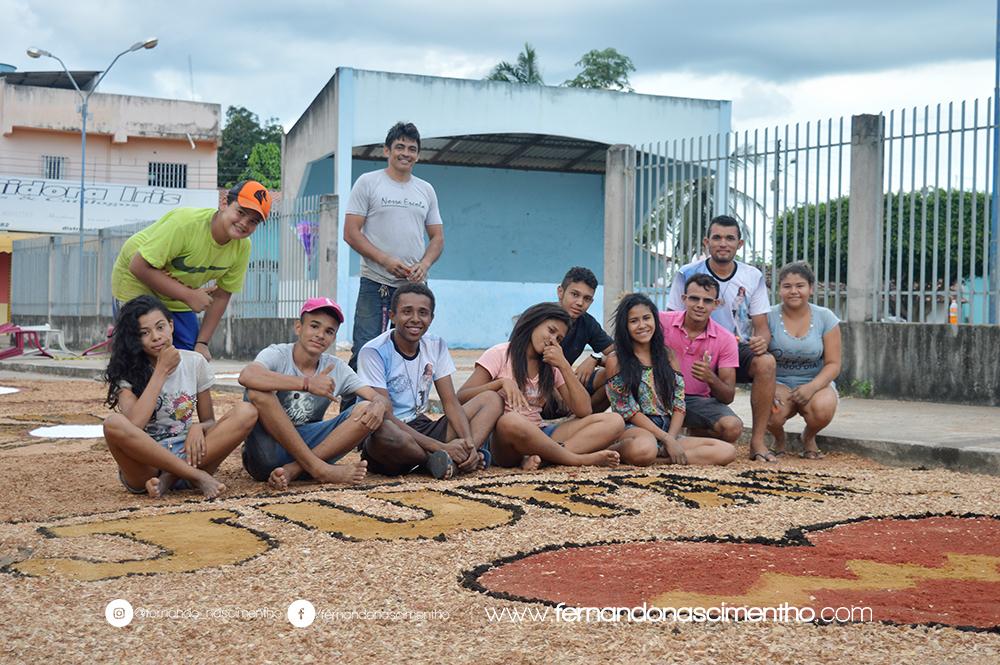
(767, 456)
(811, 454)
(439, 463)
(777, 453)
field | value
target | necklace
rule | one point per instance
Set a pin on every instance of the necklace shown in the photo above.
(785, 330)
(414, 382)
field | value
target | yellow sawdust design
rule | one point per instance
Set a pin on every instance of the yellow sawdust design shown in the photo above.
(571, 497)
(773, 589)
(446, 514)
(713, 493)
(190, 541)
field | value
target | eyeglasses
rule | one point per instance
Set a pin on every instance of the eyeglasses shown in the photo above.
(696, 300)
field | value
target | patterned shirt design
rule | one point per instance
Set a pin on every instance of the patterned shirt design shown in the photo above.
(650, 404)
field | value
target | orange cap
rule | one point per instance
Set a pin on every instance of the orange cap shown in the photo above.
(252, 195)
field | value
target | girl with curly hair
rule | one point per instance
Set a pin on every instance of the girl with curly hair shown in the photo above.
(156, 390)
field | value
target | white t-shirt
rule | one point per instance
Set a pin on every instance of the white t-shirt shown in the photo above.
(743, 294)
(303, 407)
(395, 216)
(406, 379)
(178, 400)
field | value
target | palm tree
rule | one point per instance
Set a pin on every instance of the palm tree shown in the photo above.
(678, 218)
(525, 71)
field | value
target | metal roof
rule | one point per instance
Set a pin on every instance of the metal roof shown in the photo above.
(535, 152)
(51, 79)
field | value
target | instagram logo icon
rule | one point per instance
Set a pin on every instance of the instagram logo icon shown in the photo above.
(118, 612)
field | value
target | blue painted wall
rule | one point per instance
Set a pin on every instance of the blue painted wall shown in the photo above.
(319, 178)
(510, 236)
(512, 226)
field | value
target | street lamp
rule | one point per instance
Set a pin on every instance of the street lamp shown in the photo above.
(84, 100)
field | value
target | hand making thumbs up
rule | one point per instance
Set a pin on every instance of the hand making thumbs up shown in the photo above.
(702, 369)
(320, 383)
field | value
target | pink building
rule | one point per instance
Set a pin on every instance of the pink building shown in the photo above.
(142, 153)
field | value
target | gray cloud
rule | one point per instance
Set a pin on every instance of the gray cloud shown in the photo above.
(274, 57)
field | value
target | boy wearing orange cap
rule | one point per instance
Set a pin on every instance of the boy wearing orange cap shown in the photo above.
(176, 256)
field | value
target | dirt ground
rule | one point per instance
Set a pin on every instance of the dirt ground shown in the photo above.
(496, 567)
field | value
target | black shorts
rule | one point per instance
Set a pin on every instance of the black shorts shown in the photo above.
(434, 429)
(703, 412)
(746, 357)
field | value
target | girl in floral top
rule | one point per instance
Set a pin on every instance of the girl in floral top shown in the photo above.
(644, 372)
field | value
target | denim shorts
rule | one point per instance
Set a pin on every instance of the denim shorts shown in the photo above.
(175, 444)
(262, 453)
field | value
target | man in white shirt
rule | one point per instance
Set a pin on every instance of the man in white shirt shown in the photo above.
(401, 364)
(743, 312)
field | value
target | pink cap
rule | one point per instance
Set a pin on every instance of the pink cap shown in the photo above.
(313, 304)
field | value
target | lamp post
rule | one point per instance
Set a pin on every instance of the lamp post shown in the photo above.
(84, 100)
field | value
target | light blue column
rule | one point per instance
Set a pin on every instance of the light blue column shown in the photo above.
(346, 103)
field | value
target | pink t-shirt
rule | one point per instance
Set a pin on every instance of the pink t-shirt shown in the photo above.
(716, 340)
(494, 360)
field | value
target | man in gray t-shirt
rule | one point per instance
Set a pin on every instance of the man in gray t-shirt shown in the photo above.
(292, 385)
(387, 215)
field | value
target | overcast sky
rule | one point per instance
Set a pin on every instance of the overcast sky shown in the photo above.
(778, 60)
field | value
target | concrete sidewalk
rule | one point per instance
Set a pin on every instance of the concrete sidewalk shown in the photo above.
(897, 433)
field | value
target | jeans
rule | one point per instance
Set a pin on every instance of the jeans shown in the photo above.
(371, 319)
(262, 453)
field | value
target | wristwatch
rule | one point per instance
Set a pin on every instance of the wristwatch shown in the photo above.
(599, 357)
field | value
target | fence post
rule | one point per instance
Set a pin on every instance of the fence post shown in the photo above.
(867, 201)
(619, 224)
(328, 205)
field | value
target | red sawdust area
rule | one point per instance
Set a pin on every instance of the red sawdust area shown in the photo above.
(925, 570)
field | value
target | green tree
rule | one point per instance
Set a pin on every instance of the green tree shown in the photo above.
(525, 71)
(945, 223)
(607, 70)
(264, 165)
(241, 133)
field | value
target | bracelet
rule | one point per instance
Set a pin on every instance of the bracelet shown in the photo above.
(305, 384)
(200, 342)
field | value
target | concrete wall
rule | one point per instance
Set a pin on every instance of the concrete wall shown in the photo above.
(312, 138)
(924, 361)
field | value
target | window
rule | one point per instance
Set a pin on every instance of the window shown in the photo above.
(53, 167)
(162, 174)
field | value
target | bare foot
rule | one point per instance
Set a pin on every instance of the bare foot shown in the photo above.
(601, 458)
(208, 485)
(347, 474)
(530, 462)
(153, 486)
(278, 480)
